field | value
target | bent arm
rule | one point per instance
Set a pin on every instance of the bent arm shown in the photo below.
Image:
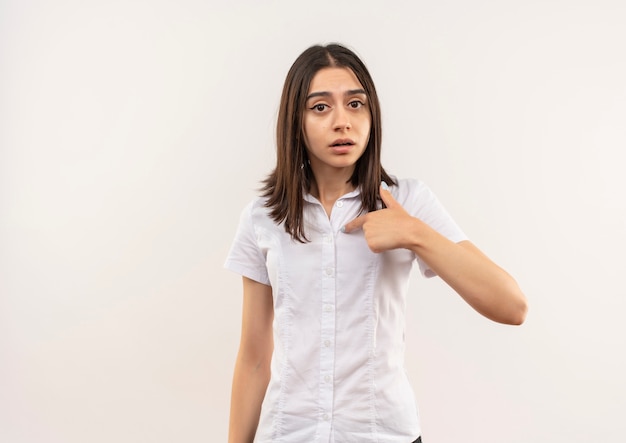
(252, 368)
(484, 285)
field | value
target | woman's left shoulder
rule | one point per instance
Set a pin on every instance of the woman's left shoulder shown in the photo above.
(406, 187)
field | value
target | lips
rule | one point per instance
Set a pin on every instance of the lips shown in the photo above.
(342, 142)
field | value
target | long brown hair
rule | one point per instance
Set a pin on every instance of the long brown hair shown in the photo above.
(284, 187)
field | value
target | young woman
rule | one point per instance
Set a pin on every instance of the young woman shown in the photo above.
(325, 254)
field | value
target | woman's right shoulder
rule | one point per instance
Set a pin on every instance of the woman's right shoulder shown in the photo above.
(256, 210)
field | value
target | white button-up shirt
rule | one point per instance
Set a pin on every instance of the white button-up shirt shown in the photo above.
(337, 372)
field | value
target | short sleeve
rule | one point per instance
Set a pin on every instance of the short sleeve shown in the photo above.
(245, 256)
(423, 204)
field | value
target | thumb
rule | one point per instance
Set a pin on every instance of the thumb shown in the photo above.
(386, 197)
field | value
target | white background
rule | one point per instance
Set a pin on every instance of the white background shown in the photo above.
(132, 133)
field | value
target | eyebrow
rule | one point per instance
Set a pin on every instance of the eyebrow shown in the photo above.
(327, 94)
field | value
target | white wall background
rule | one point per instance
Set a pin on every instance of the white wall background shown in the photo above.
(133, 132)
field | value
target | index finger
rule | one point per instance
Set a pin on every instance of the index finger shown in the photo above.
(355, 224)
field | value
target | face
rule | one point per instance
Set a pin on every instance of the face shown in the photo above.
(337, 120)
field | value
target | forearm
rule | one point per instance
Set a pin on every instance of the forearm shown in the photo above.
(484, 285)
(249, 385)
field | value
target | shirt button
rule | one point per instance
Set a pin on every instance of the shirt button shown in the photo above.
(328, 308)
(329, 272)
(327, 378)
(327, 343)
(339, 204)
(325, 417)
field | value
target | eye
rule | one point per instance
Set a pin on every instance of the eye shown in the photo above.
(355, 104)
(320, 107)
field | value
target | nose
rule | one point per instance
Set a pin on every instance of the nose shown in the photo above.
(342, 119)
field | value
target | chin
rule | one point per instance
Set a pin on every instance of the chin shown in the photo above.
(343, 164)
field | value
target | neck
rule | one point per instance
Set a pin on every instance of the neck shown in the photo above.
(327, 186)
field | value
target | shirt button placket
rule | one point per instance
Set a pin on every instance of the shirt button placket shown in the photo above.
(327, 339)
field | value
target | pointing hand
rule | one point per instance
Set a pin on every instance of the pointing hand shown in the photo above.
(385, 229)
